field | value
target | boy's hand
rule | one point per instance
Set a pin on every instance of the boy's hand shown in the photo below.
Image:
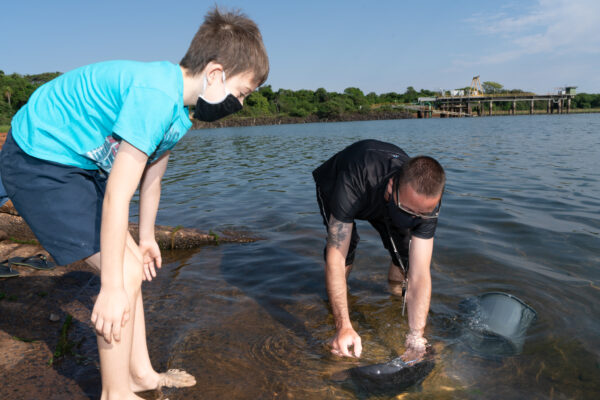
(344, 338)
(151, 258)
(111, 313)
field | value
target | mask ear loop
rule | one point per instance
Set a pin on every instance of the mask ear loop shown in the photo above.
(225, 85)
(396, 189)
(205, 84)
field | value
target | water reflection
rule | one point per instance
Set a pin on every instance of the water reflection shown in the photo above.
(252, 321)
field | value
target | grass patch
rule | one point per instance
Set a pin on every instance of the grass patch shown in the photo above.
(9, 297)
(4, 128)
(20, 339)
(214, 236)
(20, 241)
(173, 232)
(64, 347)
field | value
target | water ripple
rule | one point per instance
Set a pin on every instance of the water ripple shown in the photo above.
(520, 215)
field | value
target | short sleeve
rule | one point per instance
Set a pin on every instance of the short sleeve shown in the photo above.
(144, 118)
(346, 199)
(426, 229)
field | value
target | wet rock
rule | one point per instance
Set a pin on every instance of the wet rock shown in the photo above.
(169, 237)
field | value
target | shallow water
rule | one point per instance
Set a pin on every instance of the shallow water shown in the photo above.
(251, 321)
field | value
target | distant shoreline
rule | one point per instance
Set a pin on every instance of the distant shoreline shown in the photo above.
(347, 117)
(283, 120)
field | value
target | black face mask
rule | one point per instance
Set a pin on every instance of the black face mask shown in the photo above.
(400, 219)
(210, 112)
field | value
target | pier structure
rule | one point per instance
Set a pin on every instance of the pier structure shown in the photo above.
(477, 103)
(484, 105)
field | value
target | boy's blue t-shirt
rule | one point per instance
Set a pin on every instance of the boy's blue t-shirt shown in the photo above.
(80, 117)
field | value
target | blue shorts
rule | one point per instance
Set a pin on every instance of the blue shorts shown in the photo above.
(61, 204)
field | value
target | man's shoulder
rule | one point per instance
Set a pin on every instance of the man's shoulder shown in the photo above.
(373, 144)
(361, 156)
(371, 150)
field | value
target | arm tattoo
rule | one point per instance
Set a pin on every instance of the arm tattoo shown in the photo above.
(339, 232)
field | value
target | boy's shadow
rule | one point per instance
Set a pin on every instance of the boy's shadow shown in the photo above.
(279, 279)
(274, 277)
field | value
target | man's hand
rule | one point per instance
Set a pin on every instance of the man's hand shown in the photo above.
(151, 258)
(416, 346)
(344, 338)
(110, 314)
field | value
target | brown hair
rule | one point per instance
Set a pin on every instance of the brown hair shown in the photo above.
(232, 40)
(424, 174)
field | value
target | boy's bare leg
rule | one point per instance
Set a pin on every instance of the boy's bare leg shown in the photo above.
(143, 376)
(115, 357)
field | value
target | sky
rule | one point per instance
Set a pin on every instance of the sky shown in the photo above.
(377, 46)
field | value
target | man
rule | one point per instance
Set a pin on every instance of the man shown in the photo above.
(401, 198)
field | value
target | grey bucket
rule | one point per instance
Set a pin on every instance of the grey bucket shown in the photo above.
(495, 324)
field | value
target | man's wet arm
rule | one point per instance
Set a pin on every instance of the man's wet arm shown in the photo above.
(338, 242)
(339, 235)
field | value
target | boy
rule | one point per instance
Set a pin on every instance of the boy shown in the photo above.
(83, 143)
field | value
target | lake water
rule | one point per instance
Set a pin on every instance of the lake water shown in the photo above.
(251, 321)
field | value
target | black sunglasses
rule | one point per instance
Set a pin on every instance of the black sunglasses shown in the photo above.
(431, 215)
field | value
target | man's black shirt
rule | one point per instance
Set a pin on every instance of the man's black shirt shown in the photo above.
(353, 184)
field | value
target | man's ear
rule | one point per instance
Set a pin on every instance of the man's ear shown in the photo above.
(390, 187)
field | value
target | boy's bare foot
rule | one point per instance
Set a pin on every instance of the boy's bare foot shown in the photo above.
(172, 378)
(141, 383)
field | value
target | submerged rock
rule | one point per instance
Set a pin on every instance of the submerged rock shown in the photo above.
(393, 377)
(167, 237)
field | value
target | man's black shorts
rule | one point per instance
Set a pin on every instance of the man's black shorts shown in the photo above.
(401, 239)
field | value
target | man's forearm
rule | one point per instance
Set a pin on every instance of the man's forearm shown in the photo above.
(338, 241)
(418, 295)
(335, 275)
(418, 298)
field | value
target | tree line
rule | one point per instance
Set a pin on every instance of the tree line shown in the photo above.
(319, 104)
(15, 90)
